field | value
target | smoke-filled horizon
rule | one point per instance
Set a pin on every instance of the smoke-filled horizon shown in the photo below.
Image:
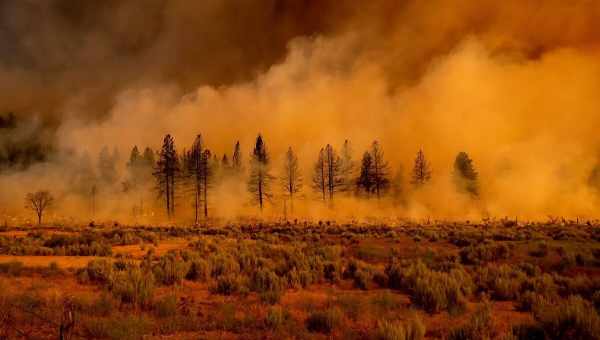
(514, 84)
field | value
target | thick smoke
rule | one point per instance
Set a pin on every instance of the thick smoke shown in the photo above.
(513, 83)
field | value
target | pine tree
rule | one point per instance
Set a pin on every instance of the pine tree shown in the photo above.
(327, 179)
(148, 157)
(107, 166)
(380, 170)
(260, 178)
(200, 172)
(364, 183)
(291, 179)
(347, 167)
(236, 159)
(421, 171)
(319, 180)
(166, 171)
(464, 175)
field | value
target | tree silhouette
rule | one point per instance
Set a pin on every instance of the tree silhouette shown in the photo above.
(380, 169)
(291, 179)
(166, 171)
(107, 166)
(347, 167)
(327, 179)
(38, 202)
(200, 171)
(260, 178)
(464, 175)
(421, 171)
(236, 159)
(364, 182)
(319, 179)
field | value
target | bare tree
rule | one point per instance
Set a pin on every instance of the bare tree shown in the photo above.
(38, 202)
(166, 171)
(291, 179)
(260, 178)
(380, 170)
(327, 179)
(421, 171)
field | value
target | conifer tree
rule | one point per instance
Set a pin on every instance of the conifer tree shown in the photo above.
(347, 167)
(421, 171)
(464, 175)
(166, 171)
(291, 178)
(260, 177)
(380, 170)
(236, 159)
(200, 171)
(319, 179)
(364, 182)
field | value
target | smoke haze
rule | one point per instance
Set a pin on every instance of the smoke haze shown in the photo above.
(515, 84)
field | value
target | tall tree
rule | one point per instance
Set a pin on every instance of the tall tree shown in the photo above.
(107, 166)
(166, 171)
(319, 179)
(464, 175)
(200, 171)
(148, 157)
(260, 177)
(421, 171)
(347, 166)
(236, 159)
(291, 179)
(327, 179)
(364, 182)
(39, 201)
(380, 171)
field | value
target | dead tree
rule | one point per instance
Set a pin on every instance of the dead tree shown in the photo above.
(260, 177)
(38, 202)
(319, 175)
(166, 171)
(347, 167)
(291, 179)
(421, 171)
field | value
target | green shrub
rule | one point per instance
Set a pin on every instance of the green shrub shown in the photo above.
(276, 317)
(170, 270)
(226, 285)
(480, 326)
(12, 268)
(134, 286)
(199, 270)
(573, 318)
(122, 327)
(527, 332)
(166, 306)
(100, 271)
(324, 321)
(411, 330)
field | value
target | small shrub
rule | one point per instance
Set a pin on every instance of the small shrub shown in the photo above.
(411, 330)
(12, 268)
(324, 321)
(480, 326)
(125, 327)
(166, 306)
(226, 285)
(134, 286)
(573, 318)
(276, 317)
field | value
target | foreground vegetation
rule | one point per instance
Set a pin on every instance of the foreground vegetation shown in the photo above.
(494, 280)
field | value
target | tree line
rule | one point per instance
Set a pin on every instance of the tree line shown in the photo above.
(194, 174)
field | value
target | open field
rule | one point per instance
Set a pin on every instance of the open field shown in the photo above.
(499, 280)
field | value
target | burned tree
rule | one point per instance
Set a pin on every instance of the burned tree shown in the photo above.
(327, 179)
(464, 175)
(166, 171)
(200, 172)
(291, 179)
(421, 171)
(260, 178)
(38, 202)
